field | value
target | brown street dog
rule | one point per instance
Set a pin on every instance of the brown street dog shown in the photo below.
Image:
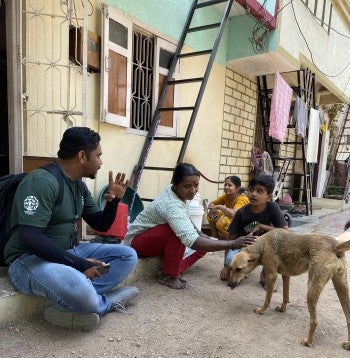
(280, 251)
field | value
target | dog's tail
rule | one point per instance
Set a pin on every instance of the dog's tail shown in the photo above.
(341, 248)
(347, 225)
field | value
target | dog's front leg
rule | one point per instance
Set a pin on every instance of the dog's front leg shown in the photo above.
(314, 288)
(270, 283)
(286, 285)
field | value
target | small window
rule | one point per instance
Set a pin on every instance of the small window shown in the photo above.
(116, 68)
(165, 58)
(135, 67)
(118, 33)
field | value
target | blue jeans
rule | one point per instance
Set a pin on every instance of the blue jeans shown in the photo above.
(229, 256)
(69, 288)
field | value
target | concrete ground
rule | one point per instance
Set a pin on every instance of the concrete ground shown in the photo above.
(15, 306)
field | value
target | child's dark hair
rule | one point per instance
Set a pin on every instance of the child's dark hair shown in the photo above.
(183, 170)
(265, 180)
(76, 139)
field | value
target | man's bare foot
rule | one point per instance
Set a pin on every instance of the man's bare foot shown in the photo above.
(177, 283)
(225, 273)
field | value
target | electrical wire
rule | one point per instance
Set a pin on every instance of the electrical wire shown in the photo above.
(92, 7)
(319, 20)
(311, 54)
(209, 180)
(259, 31)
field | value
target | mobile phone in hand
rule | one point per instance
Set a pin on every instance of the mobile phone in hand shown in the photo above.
(104, 269)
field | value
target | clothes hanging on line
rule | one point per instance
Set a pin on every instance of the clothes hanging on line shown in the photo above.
(300, 115)
(313, 137)
(280, 107)
(323, 122)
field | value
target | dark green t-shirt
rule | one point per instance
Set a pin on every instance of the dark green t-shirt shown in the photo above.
(34, 206)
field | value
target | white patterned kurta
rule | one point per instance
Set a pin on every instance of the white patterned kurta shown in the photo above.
(167, 208)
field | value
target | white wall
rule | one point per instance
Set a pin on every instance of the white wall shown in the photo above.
(330, 53)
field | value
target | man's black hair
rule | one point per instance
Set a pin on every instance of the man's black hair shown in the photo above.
(266, 181)
(78, 138)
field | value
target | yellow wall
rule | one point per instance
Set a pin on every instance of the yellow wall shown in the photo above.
(58, 87)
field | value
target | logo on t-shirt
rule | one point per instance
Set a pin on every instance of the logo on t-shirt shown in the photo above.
(30, 204)
(249, 228)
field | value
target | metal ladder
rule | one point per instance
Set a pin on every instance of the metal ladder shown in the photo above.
(151, 136)
(304, 87)
(340, 152)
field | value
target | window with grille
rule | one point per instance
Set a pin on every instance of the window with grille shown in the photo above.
(142, 81)
(134, 69)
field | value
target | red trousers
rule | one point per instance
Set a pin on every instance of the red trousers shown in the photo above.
(162, 241)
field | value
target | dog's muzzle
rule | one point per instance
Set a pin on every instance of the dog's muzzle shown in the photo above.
(232, 284)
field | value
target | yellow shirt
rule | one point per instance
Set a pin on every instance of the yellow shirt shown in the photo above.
(237, 203)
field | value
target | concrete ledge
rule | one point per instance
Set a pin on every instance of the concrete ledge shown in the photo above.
(146, 267)
(329, 203)
(15, 306)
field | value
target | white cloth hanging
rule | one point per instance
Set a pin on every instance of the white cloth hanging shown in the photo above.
(313, 136)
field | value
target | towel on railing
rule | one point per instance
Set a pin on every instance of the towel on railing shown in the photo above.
(280, 107)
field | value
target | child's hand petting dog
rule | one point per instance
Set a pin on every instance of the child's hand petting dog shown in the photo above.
(242, 241)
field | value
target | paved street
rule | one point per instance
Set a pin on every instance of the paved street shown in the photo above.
(334, 224)
(327, 224)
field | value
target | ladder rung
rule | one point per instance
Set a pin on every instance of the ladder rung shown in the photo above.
(159, 168)
(291, 188)
(176, 109)
(209, 3)
(146, 199)
(270, 90)
(288, 126)
(196, 53)
(285, 158)
(298, 174)
(272, 142)
(186, 80)
(170, 138)
(204, 27)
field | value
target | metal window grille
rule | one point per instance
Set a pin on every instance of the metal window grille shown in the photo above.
(142, 81)
(54, 95)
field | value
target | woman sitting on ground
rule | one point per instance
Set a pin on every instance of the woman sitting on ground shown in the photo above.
(223, 209)
(164, 228)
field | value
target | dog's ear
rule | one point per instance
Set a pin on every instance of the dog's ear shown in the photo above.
(253, 258)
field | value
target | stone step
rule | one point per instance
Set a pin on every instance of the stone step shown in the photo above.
(15, 306)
